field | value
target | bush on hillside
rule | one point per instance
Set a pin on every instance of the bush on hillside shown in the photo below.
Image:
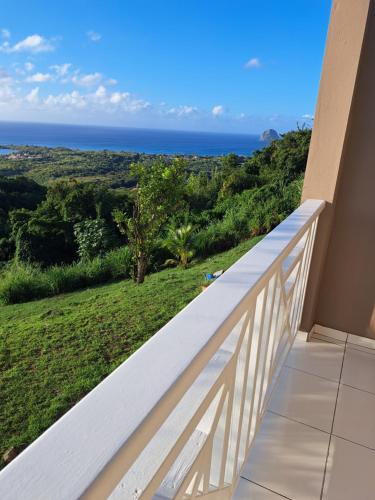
(24, 282)
(21, 283)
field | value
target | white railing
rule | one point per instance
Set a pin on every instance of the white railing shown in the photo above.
(177, 419)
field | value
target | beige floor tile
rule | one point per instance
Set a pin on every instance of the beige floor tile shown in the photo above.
(316, 357)
(350, 472)
(250, 491)
(359, 370)
(362, 343)
(305, 398)
(355, 416)
(288, 458)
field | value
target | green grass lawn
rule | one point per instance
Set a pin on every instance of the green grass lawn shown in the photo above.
(53, 351)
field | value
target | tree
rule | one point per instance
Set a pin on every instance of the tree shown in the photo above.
(15, 193)
(159, 191)
(180, 243)
(230, 163)
(77, 201)
(41, 237)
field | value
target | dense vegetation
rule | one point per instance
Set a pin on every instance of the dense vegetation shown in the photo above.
(72, 234)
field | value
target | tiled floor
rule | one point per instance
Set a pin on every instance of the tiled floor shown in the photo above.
(317, 439)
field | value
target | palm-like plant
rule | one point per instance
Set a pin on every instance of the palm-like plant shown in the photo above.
(180, 243)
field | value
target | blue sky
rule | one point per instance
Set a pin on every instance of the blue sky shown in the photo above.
(225, 65)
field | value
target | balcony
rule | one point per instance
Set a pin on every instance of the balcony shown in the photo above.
(229, 400)
(179, 418)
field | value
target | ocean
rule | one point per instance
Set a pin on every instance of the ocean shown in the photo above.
(128, 139)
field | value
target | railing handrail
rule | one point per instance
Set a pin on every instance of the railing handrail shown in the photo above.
(90, 448)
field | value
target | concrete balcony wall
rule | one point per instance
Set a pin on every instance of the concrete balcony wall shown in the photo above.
(341, 170)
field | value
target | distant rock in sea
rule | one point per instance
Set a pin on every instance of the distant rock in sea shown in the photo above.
(269, 135)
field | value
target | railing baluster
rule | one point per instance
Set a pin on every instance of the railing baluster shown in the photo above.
(243, 394)
(307, 269)
(270, 342)
(253, 417)
(228, 424)
(266, 326)
(309, 238)
(240, 371)
(207, 448)
(274, 326)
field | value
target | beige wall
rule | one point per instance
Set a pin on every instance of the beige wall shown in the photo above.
(341, 170)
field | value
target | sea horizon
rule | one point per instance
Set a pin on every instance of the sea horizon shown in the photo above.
(129, 139)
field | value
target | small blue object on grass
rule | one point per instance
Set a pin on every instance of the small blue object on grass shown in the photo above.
(213, 276)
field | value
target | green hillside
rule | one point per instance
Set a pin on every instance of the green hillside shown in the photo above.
(53, 351)
(45, 165)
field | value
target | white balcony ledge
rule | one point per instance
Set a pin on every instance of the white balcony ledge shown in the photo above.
(178, 418)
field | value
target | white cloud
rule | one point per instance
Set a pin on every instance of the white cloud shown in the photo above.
(93, 36)
(218, 110)
(61, 69)
(111, 81)
(308, 117)
(182, 110)
(118, 97)
(33, 96)
(89, 80)
(100, 101)
(29, 66)
(101, 92)
(33, 43)
(39, 78)
(253, 63)
(69, 100)
(4, 33)
(126, 102)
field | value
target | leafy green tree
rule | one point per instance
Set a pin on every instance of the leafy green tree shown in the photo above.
(20, 192)
(159, 192)
(15, 193)
(41, 237)
(76, 201)
(236, 182)
(230, 163)
(180, 243)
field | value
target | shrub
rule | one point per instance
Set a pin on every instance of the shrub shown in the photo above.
(216, 238)
(20, 283)
(93, 238)
(66, 278)
(120, 262)
(24, 282)
(179, 241)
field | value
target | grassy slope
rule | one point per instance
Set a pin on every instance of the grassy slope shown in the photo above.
(53, 351)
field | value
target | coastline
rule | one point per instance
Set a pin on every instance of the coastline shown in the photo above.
(123, 140)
